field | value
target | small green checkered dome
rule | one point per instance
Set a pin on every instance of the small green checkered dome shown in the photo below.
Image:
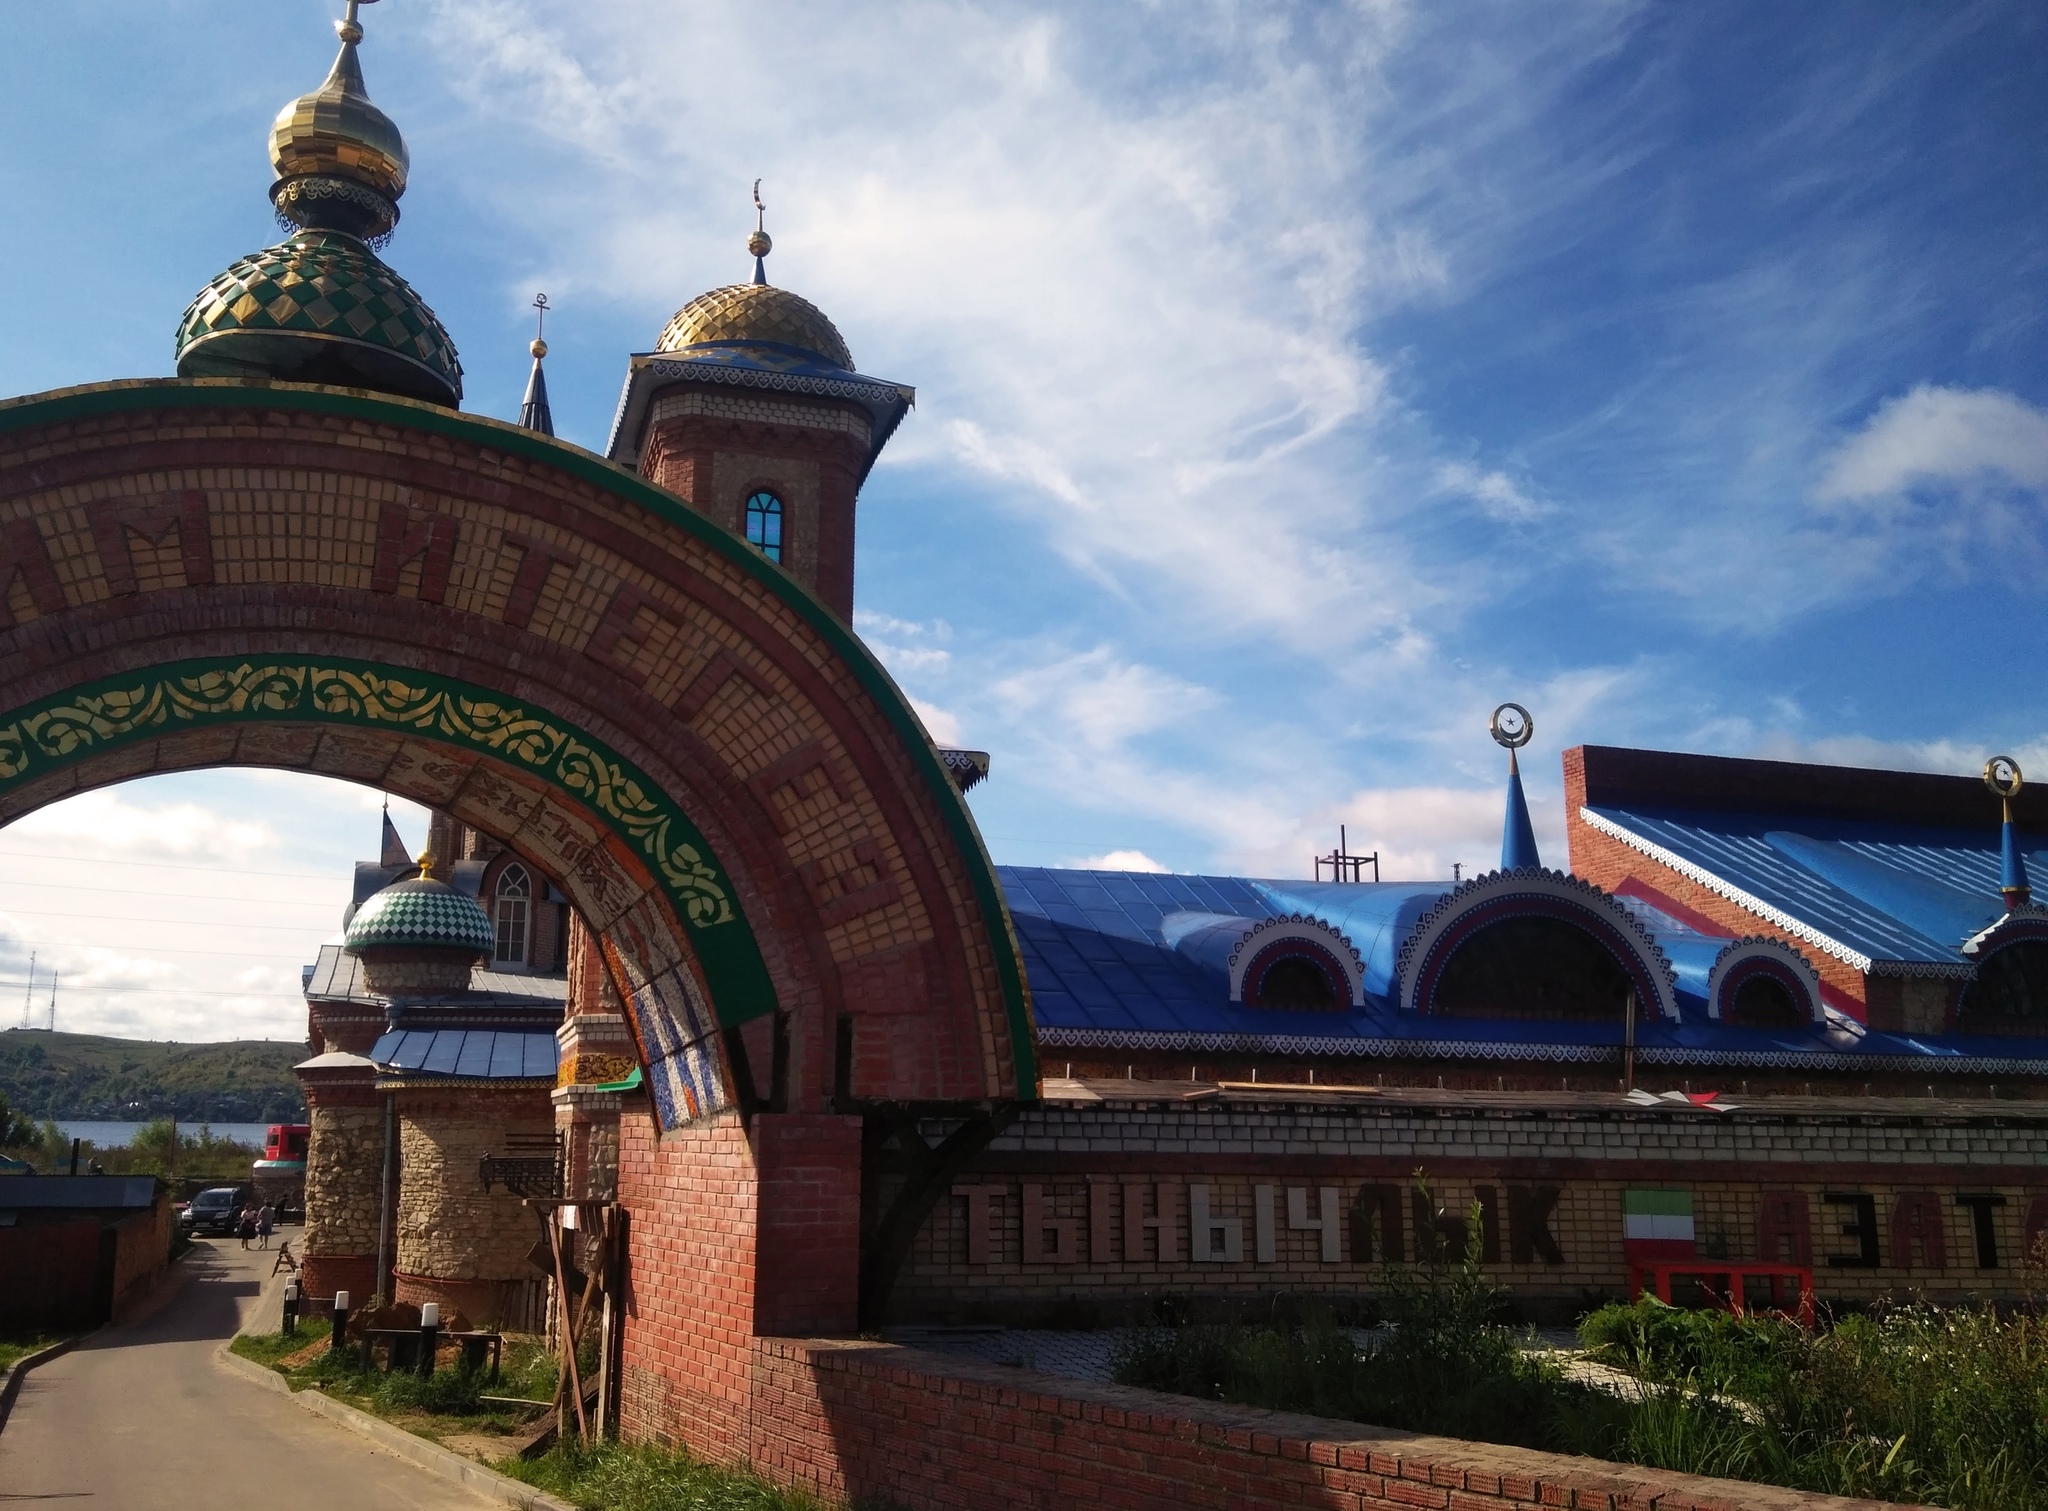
(420, 914)
(319, 307)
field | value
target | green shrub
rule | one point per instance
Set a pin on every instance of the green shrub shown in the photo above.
(617, 1478)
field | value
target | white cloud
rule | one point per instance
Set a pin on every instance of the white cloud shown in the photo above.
(944, 727)
(1117, 860)
(1099, 701)
(106, 821)
(1936, 435)
(1499, 497)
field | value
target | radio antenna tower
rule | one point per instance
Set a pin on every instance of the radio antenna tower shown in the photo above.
(28, 995)
(53, 1002)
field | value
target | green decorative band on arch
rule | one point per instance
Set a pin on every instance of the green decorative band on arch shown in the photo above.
(46, 736)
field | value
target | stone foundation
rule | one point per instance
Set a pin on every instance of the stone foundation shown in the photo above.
(448, 1229)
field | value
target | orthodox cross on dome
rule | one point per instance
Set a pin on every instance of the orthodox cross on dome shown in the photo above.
(1512, 728)
(758, 243)
(2002, 776)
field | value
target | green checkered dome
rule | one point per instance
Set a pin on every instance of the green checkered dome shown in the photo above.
(319, 307)
(420, 914)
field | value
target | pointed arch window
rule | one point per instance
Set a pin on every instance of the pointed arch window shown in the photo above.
(514, 914)
(764, 523)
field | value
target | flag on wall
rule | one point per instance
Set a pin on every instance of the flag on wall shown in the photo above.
(1657, 1224)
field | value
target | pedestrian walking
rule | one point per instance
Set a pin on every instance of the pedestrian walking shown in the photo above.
(265, 1220)
(246, 1227)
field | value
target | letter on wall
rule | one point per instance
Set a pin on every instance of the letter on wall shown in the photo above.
(980, 1199)
(1784, 1228)
(1529, 1237)
(1214, 1239)
(1065, 1232)
(1376, 1214)
(1916, 1224)
(1164, 1222)
(1323, 1224)
(1862, 1227)
(1982, 1228)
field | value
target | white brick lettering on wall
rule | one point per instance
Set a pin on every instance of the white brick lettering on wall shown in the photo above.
(1215, 1239)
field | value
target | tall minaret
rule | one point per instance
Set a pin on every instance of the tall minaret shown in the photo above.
(750, 409)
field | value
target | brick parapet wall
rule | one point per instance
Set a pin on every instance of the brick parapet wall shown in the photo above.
(1035, 1231)
(854, 1421)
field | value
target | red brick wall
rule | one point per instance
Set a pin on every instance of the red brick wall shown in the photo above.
(50, 1270)
(869, 1421)
(808, 1276)
(689, 1282)
(142, 1248)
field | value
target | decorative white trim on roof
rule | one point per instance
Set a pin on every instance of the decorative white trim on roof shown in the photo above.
(1774, 951)
(1578, 896)
(2027, 921)
(1323, 939)
(1722, 887)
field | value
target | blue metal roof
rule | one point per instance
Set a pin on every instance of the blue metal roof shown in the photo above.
(1114, 959)
(1891, 893)
(470, 1054)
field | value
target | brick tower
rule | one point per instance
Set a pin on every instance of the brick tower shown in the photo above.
(749, 408)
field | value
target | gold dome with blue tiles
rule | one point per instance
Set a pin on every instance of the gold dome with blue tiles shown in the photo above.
(756, 313)
(321, 306)
(420, 914)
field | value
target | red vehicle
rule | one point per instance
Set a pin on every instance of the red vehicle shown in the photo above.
(280, 1175)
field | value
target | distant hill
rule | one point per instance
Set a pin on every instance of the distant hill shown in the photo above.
(48, 1075)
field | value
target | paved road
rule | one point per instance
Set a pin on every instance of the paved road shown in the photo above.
(141, 1416)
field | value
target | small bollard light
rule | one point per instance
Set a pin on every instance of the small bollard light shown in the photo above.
(340, 1323)
(290, 1326)
(430, 1333)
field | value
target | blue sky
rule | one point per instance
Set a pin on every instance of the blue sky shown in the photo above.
(1295, 382)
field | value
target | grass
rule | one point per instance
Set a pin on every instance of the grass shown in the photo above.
(449, 1400)
(17, 1348)
(1446, 1364)
(1945, 1406)
(614, 1477)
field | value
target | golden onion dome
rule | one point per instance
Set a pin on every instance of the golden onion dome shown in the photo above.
(756, 312)
(341, 162)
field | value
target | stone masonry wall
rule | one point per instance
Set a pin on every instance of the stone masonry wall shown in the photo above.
(1079, 1214)
(344, 1168)
(448, 1228)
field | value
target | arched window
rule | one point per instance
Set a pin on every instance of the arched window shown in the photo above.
(1765, 1002)
(514, 912)
(1298, 982)
(764, 524)
(2011, 989)
(1532, 968)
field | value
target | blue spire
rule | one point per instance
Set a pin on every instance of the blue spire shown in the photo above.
(2012, 866)
(1517, 834)
(2002, 776)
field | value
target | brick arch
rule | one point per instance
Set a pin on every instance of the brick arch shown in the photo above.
(203, 573)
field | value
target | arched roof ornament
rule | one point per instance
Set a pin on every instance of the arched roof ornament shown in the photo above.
(1756, 955)
(1531, 893)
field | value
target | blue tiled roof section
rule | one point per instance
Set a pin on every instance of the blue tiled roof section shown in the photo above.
(1100, 950)
(471, 1054)
(1892, 892)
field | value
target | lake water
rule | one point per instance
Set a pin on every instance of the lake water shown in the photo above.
(107, 1135)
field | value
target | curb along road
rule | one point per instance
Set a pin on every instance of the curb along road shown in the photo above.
(417, 1450)
(11, 1387)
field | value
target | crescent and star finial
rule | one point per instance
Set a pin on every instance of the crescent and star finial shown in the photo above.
(1511, 728)
(758, 243)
